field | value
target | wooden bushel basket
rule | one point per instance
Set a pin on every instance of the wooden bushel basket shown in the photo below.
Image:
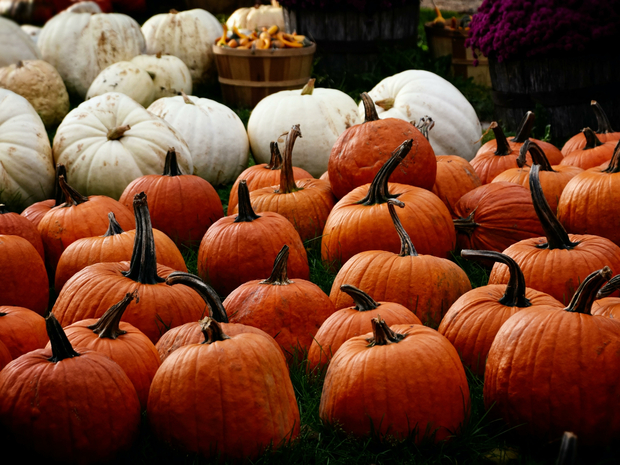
(248, 76)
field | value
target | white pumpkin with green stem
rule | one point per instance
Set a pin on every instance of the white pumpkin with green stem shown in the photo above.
(413, 94)
(170, 75)
(214, 133)
(323, 114)
(26, 166)
(110, 140)
(127, 78)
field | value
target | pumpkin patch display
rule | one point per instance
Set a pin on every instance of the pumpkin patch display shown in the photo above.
(361, 151)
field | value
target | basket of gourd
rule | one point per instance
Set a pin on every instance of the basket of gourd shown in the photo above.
(255, 57)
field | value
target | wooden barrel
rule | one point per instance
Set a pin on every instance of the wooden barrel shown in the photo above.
(248, 76)
(350, 42)
(564, 85)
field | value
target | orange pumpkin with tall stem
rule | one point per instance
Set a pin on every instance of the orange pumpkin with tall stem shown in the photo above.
(604, 132)
(593, 154)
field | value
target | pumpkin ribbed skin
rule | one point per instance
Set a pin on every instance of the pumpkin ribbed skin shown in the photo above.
(590, 156)
(22, 330)
(37, 211)
(455, 178)
(254, 408)
(12, 224)
(397, 389)
(5, 355)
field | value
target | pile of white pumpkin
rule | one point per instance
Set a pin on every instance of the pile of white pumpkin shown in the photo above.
(138, 81)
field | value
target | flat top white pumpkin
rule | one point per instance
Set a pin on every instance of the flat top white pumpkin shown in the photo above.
(214, 133)
(26, 165)
(81, 44)
(127, 78)
(323, 114)
(110, 140)
(188, 35)
(413, 94)
(15, 44)
(170, 75)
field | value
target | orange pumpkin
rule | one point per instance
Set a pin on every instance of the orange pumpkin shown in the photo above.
(455, 178)
(22, 330)
(593, 154)
(12, 224)
(604, 132)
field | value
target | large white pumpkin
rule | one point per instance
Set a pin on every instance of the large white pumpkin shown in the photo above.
(170, 75)
(15, 44)
(214, 133)
(188, 35)
(127, 78)
(81, 44)
(26, 165)
(413, 94)
(323, 114)
(110, 140)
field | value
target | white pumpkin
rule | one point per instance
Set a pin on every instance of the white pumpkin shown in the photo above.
(110, 140)
(126, 78)
(323, 114)
(413, 94)
(256, 17)
(170, 75)
(214, 133)
(26, 165)
(80, 44)
(39, 83)
(188, 35)
(15, 44)
(32, 31)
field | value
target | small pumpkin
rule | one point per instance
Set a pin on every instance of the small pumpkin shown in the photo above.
(604, 132)
(126, 78)
(593, 154)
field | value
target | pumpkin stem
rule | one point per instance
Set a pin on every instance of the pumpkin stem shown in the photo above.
(525, 128)
(212, 331)
(386, 103)
(614, 163)
(587, 290)
(3, 209)
(608, 289)
(370, 111)
(108, 325)
(279, 275)
(171, 166)
(425, 124)
(537, 154)
(206, 292)
(143, 267)
(363, 302)
(61, 347)
(591, 140)
(466, 225)
(503, 147)
(382, 334)
(287, 179)
(59, 195)
(72, 197)
(604, 126)
(557, 237)
(118, 132)
(568, 449)
(19, 64)
(309, 87)
(275, 162)
(378, 192)
(186, 99)
(246, 212)
(158, 54)
(113, 227)
(514, 296)
(406, 246)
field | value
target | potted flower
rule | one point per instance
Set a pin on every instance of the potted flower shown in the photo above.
(350, 33)
(560, 54)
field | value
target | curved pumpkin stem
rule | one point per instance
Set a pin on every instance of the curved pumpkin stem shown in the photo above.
(308, 89)
(108, 325)
(363, 302)
(287, 180)
(608, 289)
(378, 192)
(3, 209)
(525, 128)
(614, 163)
(143, 267)
(246, 212)
(382, 334)
(591, 140)
(370, 111)
(275, 162)
(425, 124)
(59, 195)
(72, 197)
(557, 237)
(171, 166)
(503, 147)
(537, 154)
(212, 331)
(61, 347)
(587, 290)
(118, 132)
(604, 126)
(406, 245)
(279, 275)
(515, 289)
(206, 292)
(113, 227)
